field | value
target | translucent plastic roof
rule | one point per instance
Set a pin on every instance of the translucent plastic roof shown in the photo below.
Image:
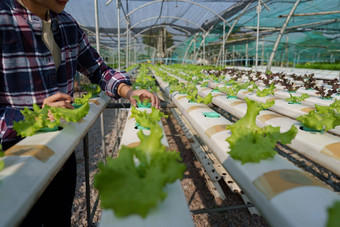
(182, 17)
(193, 19)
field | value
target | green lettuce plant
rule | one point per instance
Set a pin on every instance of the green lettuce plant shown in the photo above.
(145, 102)
(2, 163)
(134, 182)
(334, 215)
(38, 118)
(323, 118)
(231, 91)
(92, 88)
(297, 99)
(206, 100)
(250, 143)
(147, 119)
(266, 91)
(82, 100)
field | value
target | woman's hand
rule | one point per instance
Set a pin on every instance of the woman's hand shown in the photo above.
(127, 92)
(59, 100)
(143, 94)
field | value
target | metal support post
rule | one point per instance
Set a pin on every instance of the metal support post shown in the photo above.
(280, 35)
(262, 54)
(247, 54)
(223, 45)
(286, 53)
(87, 178)
(233, 55)
(258, 11)
(195, 47)
(127, 46)
(97, 24)
(204, 50)
(186, 52)
(98, 50)
(118, 31)
(135, 42)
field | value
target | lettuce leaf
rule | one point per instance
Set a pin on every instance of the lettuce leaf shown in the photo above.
(92, 88)
(266, 91)
(73, 115)
(334, 215)
(133, 183)
(147, 120)
(336, 106)
(2, 163)
(139, 102)
(38, 118)
(192, 95)
(231, 91)
(297, 99)
(250, 143)
(323, 118)
(84, 99)
(206, 100)
(33, 121)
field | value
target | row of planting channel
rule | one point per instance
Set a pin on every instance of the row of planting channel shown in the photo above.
(284, 194)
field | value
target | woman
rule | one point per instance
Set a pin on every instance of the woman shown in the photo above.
(41, 49)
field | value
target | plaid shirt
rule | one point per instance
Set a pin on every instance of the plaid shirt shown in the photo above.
(27, 71)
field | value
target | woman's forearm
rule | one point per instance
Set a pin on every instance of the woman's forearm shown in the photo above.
(124, 90)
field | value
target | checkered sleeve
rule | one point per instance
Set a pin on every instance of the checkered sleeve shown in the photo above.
(93, 66)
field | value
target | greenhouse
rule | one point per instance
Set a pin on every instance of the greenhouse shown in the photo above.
(170, 113)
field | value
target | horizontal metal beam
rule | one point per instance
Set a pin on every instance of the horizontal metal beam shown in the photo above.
(221, 209)
(112, 105)
(274, 29)
(311, 14)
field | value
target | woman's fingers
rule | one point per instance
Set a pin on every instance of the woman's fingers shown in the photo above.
(59, 100)
(145, 94)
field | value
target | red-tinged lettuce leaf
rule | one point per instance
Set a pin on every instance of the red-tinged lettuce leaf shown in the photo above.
(133, 183)
(250, 143)
(334, 215)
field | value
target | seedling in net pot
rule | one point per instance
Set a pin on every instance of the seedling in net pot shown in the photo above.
(310, 81)
(290, 85)
(335, 85)
(325, 93)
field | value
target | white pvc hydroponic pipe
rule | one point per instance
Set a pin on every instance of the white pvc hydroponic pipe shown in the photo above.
(278, 188)
(173, 211)
(322, 148)
(32, 162)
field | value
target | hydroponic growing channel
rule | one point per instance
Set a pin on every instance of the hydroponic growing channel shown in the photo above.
(238, 115)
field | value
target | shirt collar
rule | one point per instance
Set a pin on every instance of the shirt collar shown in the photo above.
(31, 18)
